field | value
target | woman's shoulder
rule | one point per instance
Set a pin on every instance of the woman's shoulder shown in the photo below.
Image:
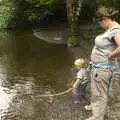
(117, 27)
(115, 30)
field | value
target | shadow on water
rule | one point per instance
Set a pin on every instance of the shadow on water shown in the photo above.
(30, 67)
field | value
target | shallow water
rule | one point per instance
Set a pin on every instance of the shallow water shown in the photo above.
(30, 67)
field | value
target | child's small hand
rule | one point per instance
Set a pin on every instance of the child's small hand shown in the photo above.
(76, 83)
(71, 82)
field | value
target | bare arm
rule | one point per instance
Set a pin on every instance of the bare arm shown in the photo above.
(116, 52)
(77, 83)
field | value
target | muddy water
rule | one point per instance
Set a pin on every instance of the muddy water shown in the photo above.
(30, 67)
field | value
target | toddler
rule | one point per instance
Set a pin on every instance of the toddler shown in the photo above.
(81, 79)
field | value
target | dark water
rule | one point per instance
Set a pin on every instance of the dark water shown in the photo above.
(30, 67)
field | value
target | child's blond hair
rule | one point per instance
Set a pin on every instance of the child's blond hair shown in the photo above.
(81, 63)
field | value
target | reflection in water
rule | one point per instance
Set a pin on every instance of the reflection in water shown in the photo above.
(4, 97)
(4, 100)
(5, 94)
(12, 100)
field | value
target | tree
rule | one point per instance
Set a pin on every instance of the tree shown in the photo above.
(73, 12)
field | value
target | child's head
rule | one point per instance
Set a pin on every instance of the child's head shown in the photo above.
(81, 63)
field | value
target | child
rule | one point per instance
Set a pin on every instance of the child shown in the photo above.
(80, 79)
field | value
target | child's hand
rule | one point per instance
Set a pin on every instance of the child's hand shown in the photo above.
(71, 82)
(76, 83)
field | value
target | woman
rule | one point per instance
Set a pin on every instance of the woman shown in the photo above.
(104, 57)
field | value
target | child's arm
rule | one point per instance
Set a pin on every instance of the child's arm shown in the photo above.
(77, 83)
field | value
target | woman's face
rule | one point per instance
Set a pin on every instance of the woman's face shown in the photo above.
(103, 22)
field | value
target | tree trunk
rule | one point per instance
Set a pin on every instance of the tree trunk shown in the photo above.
(73, 12)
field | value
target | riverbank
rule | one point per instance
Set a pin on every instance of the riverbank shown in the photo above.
(58, 34)
(53, 34)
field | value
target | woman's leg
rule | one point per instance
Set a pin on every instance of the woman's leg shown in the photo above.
(100, 80)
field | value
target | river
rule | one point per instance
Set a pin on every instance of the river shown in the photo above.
(30, 67)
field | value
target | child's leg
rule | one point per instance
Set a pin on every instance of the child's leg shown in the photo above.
(76, 95)
(82, 92)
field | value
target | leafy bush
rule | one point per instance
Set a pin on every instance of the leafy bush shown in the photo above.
(18, 12)
(7, 13)
(72, 41)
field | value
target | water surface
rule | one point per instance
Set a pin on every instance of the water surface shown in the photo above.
(30, 67)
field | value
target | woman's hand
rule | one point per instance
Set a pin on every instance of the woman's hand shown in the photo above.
(110, 57)
(116, 52)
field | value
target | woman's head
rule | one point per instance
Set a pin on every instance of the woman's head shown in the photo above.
(104, 16)
(81, 63)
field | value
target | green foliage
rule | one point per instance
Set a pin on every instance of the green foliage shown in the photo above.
(39, 3)
(88, 9)
(110, 3)
(72, 41)
(117, 4)
(7, 13)
(37, 10)
(87, 35)
(17, 12)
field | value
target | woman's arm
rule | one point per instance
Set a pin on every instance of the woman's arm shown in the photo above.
(116, 52)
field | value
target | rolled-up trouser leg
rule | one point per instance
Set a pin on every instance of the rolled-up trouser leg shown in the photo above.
(100, 80)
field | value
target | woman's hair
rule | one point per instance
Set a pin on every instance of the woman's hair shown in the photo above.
(106, 12)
